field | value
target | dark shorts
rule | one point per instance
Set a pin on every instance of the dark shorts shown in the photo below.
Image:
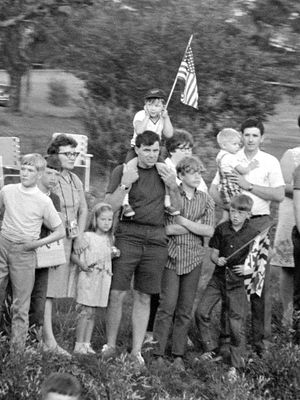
(144, 254)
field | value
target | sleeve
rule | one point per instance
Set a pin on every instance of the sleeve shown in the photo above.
(51, 215)
(139, 116)
(115, 179)
(275, 175)
(297, 178)
(215, 241)
(208, 217)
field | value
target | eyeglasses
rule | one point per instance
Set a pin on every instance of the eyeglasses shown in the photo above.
(185, 148)
(70, 154)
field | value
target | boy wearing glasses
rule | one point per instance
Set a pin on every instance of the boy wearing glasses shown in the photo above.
(227, 282)
(185, 254)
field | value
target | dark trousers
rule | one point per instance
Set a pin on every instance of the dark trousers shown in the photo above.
(296, 295)
(233, 299)
(176, 305)
(38, 297)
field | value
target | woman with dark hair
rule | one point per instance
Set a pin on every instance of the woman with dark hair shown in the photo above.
(283, 246)
(74, 211)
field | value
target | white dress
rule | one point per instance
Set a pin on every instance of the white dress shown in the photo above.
(93, 287)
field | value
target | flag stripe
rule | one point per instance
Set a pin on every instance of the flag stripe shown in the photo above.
(186, 71)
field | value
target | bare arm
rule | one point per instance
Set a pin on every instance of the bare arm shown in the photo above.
(169, 178)
(168, 127)
(140, 126)
(287, 167)
(79, 243)
(176, 229)
(297, 208)
(115, 199)
(80, 263)
(264, 192)
(56, 234)
(244, 170)
(215, 194)
(219, 261)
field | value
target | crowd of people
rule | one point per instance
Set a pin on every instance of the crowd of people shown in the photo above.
(150, 234)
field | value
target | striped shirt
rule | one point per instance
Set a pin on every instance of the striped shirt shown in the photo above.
(186, 251)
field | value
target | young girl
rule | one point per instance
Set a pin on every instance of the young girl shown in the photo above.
(95, 274)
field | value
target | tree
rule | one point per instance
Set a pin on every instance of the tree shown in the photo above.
(21, 23)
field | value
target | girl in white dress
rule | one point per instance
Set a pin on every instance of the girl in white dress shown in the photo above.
(95, 274)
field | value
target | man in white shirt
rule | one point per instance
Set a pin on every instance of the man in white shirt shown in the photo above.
(263, 184)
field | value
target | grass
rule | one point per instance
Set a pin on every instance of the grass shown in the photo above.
(276, 376)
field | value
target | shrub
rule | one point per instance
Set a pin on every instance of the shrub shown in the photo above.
(58, 94)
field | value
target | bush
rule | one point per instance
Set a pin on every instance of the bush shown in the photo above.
(58, 94)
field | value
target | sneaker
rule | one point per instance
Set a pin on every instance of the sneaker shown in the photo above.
(89, 348)
(232, 375)
(56, 350)
(178, 364)
(210, 356)
(127, 211)
(108, 352)
(172, 211)
(80, 348)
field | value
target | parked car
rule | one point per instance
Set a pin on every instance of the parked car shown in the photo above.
(4, 95)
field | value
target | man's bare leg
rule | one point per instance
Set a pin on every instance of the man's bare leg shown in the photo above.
(140, 317)
(114, 315)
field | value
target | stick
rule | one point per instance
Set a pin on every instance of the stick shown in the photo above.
(249, 242)
(175, 81)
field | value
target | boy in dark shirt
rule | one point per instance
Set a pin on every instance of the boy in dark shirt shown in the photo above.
(227, 282)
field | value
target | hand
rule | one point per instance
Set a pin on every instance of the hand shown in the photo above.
(115, 252)
(254, 164)
(130, 175)
(164, 113)
(221, 261)
(238, 269)
(84, 267)
(79, 245)
(146, 111)
(168, 176)
(30, 245)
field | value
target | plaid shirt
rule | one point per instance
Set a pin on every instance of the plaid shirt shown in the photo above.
(186, 251)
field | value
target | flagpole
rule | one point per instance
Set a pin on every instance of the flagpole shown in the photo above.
(175, 81)
(249, 242)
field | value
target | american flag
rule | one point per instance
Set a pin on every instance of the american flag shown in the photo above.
(187, 72)
(254, 275)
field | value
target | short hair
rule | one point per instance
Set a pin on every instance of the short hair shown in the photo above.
(61, 383)
(147, 138)
(35, 160)
(226, 135)
(97, 210)
(61, 140)
(189, 164)
(253, 122)
(53, 162)
(180, 137)
(242, 202)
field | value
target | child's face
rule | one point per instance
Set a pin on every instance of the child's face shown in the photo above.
(57, 396)
(104, 221)
(191, 179)
(238, 217)
(49, 178)
(29, 175)
(232, 146)
(154, 107)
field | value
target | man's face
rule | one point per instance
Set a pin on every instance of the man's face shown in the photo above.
(147, 155)
(29, 175)
(49, 178)
(252, 139)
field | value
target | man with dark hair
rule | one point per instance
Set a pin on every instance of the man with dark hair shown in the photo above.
(263, 184)
(142, 240)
